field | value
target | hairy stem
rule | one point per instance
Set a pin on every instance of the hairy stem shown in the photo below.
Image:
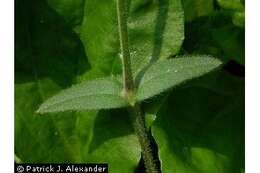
(123, 34)
(129, 87)
(144, 140)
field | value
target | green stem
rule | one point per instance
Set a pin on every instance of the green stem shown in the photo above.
(123, 34)
(129, 89)
(144, 140)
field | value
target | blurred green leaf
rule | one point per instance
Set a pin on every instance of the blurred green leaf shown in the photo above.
(46, 43)
(114, 142)
(217, 36)
(197, 8)
(166, 74)
(96, 94)
(42, 139)
(202, 130)
(235, 5)
(48, 57)
(155, 31)
(239, 19)
(237, 10)
(228, 39)
(71, 10)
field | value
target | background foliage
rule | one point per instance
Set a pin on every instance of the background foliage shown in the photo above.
(198, 127)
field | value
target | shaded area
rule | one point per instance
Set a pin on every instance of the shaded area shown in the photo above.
(217, 36)
(48, 57)
(71, 10)
(202, 128)
(159, 29)
(108, 125)
(45, 46)
(163, 7)
(113, 141)
(235, 69)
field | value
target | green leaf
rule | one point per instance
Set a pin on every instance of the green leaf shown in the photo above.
(49, 57)
(166, 74)
(237, 10)
(156, 30)
(152, 107)
(231, 41)
(223, 40)
(72, 137)
(41, 139)
(200, 130)
(235, 5)
(69, 137)
(239, 19)
(114, 142)
(96, 94)
(197, 8)
(71, 10)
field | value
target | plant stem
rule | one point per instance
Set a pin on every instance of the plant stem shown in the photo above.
(137, 115)
(123, 35)
(144, 140)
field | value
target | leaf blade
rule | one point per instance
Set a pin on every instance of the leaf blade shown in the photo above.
(156, 31)
(204, 132)
(168, 73)
(96, 94)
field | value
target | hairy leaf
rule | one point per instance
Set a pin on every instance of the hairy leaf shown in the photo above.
(49, 57)
(96, 94)
(199, 129)
(169, 73)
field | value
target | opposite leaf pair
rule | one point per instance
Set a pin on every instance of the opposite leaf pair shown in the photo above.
(106, 93)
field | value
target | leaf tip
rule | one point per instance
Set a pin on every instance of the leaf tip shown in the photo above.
(41, 110)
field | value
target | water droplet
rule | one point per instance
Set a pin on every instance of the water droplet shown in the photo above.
(175, 71)
(168, 70)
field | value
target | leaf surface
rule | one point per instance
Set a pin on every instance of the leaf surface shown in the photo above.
(44, 47)
(71, 10)
(114, 142)
(156, 30)
(96, 94)
(201, 130)
(235, 5)
(166, 74)
(197, 8)
(49, 57)
(216, 35)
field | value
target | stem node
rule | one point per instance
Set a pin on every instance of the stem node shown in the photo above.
(129, 90)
